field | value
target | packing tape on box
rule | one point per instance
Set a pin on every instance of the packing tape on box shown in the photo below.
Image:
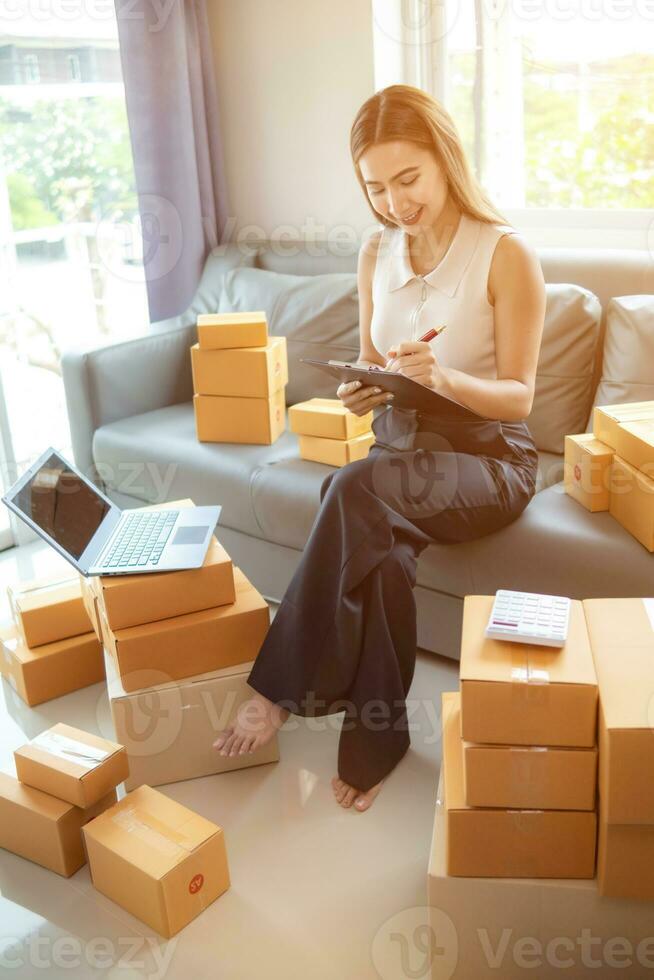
(31, 590)
(159, 835)
(70, 749)
(522, 768)
(528, 683)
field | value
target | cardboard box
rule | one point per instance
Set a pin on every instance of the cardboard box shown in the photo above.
(51, 670)
(335, 452)
(42, 828)
(169, 729)
(219, 331)
(157, 859)
(45, 610)
(587, 471)
(530, 777)
(327, 418)
(514, 928)
(625, 861)
(631, 501)
(208, 640)
(608, 418)
(130, 600)
(245, 372)
(622, 638)
(523, 694)
(89, 600)
(634, 442)
(484, 842)
(72, 765)
(254, 421)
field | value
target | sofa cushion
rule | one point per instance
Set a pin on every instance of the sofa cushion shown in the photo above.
(318, 315)
(207, 296)
(155, 457)
(628, 356)
(555, 546)
(564, 376)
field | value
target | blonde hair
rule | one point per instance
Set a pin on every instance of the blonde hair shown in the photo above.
(402, 112)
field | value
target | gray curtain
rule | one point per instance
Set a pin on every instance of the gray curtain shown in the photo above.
(172, 108)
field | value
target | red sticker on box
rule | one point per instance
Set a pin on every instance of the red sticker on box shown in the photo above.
(577, 472)
(195, 884)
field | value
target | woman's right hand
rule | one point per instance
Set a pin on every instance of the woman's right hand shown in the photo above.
(361, 399)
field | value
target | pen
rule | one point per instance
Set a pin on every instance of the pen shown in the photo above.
(426, 337)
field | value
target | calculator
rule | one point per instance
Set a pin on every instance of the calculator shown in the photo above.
(529, 617)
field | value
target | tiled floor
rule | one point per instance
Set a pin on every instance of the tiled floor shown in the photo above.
(315, 889)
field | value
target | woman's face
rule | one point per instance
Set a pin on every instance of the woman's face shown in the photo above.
(405, 184)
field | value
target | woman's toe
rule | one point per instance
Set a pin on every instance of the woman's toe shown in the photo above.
(222, 738)
(349, 797)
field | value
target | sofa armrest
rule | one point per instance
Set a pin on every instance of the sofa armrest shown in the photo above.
(105, 384)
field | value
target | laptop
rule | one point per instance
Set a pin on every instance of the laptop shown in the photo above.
(96, 536)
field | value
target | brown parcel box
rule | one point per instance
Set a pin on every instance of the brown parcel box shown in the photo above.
(327, 418)
(631, 501)
(51, 670)
(625, 860)
(484, 842)
(634, 442)
(622, 637)
(48, 610)
(530, 777)
(514, 928)
(169, 729)
(89, 600)
(192, 644)
(131, 600)
(42, 828)
(335, 452)
(608, 418)
(71, 764)
(587, 471)
(218, 331)
(523, 694)
(246, 372)
(251, 421)
(157, 859)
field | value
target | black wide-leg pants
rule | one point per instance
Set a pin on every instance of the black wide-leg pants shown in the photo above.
(344, 636)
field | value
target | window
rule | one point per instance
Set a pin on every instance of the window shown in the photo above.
(554, 101)
(74, 68)
(31, 69)
(70, 275)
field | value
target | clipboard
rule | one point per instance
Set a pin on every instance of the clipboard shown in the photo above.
(409, 394)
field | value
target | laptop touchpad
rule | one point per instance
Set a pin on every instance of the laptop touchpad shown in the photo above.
(192, 534)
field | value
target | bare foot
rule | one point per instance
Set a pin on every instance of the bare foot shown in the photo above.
(347, 795)
(257, 720)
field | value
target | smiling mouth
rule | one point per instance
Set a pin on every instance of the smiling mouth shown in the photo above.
(411, 218)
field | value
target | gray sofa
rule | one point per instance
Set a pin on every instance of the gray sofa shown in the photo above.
(133, 430)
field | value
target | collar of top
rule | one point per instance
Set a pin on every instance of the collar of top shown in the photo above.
(449, 272)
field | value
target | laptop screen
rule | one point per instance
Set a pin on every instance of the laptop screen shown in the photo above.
(63, 505)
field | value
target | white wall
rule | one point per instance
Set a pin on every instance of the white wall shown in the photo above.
(291, 75)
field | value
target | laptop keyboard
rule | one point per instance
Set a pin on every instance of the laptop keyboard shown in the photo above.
(141, 540)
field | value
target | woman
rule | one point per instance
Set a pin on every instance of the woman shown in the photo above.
(344, 637)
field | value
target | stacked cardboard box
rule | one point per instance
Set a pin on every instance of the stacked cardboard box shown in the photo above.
(239, 378)
(519, 754)
(66, 777)
(329, 433)
(50, 649)
(512, 928)
(612, 469)
(622, 638)
(176, 641)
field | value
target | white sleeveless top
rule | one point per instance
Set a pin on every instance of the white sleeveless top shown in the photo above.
(406, 305)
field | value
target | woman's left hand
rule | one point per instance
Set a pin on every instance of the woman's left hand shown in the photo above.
(416, 360)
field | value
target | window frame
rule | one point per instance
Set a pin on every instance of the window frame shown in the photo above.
(418, 56)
